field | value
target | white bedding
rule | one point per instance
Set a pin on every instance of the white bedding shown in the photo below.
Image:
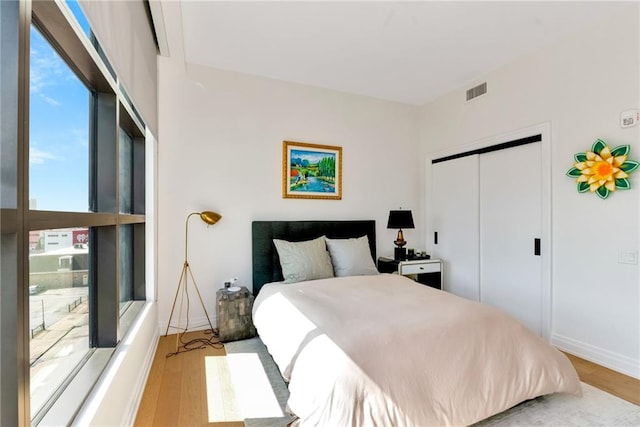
(386, 351)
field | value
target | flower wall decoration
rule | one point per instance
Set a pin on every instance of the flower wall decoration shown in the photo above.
(602, 170)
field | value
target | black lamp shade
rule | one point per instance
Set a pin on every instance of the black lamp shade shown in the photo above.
(400, 219)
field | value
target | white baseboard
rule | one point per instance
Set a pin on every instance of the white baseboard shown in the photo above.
(195, 324)
(617, 362)
(141, 381)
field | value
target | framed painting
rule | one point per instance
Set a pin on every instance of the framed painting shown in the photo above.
(311, 171)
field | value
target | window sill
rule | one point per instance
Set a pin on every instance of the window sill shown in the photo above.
(65, 409)
(66, 406)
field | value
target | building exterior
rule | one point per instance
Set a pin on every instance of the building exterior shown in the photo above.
(58, 239)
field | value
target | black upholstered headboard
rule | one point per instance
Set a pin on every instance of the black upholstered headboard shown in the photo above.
(266, 264)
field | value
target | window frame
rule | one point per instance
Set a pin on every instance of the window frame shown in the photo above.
(111, 109)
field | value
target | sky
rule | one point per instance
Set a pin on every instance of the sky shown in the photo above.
(59, 129)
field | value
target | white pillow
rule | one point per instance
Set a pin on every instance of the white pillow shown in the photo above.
(351, 257)
(308, 260)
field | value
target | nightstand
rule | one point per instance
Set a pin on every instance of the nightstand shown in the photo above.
(425, 271)
(233, 314)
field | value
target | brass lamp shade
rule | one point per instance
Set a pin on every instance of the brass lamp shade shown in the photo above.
(210, 217)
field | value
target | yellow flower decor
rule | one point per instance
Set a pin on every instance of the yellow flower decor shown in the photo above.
(603, 171)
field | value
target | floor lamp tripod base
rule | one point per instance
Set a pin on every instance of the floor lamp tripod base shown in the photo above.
(183, 285)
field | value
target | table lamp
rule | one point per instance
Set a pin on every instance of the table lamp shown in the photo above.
(400, 219)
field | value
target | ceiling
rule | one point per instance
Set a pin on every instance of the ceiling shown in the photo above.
(409, 52)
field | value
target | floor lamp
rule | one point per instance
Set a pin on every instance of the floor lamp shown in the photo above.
(210, 218)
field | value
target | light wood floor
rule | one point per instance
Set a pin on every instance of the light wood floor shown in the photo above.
(175, 394)
(612, 382)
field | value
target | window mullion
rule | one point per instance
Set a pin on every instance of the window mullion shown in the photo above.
(104, 155)
(103, 296)
(22, 249)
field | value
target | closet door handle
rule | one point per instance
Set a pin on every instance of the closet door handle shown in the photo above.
(536, 247)
(435, 237)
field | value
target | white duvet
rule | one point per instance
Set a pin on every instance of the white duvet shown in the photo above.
(386, 351)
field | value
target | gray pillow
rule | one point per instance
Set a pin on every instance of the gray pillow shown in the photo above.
(351, 257)
(308, 260)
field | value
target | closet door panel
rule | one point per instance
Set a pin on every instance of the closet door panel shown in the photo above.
(455, 219)
(510, 221)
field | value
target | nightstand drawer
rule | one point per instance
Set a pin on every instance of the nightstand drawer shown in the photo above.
(421, 268)
(426, 271)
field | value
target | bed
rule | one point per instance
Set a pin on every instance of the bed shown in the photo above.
(368, 349)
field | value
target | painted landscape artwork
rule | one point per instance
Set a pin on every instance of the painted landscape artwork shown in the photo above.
(311, 171)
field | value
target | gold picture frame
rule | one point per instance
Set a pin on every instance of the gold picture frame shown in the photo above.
(311, 171)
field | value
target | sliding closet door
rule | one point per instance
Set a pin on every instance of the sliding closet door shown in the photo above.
(510, 221)
(454, 205)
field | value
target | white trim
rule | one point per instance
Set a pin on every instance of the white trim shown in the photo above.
(617, 362)
(546, 246)
(157, 15)
(129, 416)
(151, 223)
(544, 129)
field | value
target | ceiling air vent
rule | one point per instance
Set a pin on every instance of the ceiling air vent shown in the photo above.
(475, 92)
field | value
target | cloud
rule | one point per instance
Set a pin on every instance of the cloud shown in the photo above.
(46, 68)
(38, 157)
(50, 101)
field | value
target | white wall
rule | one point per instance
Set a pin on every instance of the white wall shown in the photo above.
(220, 149)
(579, 85)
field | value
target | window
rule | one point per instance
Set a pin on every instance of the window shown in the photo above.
(58, 317)
(126, 166)
(58, 132)
(64, 263)
(126, 266)
(79, 15)
(72, 200)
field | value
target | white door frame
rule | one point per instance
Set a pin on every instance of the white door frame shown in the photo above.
(543, 129)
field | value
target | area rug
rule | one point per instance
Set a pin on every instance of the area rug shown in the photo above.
(257, 411)
(594, 408)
